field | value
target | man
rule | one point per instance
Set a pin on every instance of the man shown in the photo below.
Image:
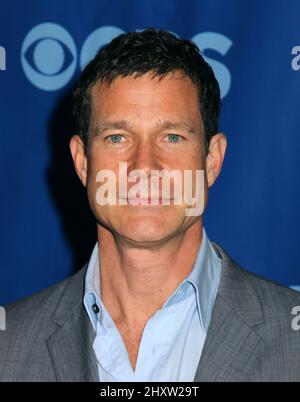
(157, 301)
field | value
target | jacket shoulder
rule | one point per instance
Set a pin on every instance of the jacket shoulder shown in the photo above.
(242, 284)
(274, 297)
(29, 323)
(44, 303)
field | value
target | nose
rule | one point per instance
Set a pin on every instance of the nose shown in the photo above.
(145, 157)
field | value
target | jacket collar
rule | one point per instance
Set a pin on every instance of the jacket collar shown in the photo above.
(232, 340)
(70, 346)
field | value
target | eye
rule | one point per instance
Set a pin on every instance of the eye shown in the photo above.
(115, 138)
(174, 138)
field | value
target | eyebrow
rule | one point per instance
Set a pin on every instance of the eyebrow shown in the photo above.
(180, 125)
(109, 125)
(127, 125)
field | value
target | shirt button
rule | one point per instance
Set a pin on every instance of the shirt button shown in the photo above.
(95, 308)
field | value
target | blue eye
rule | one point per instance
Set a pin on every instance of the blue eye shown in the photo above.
(174, 137)
(115, 138)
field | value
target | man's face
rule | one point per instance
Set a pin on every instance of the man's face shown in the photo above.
(151, 124)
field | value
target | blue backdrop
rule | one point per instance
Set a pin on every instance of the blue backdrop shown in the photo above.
(47, 231)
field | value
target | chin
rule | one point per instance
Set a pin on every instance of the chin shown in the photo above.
(143, 225)
(148, 229)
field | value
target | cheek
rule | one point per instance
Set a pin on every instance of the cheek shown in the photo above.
(97, 161)
(192, 157)
(190, 161)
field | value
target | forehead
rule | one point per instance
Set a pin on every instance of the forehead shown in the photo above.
(173, 93)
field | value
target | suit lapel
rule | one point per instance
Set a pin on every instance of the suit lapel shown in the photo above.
(232, 341)
(229, 346)
(70, 346)
(71, 349)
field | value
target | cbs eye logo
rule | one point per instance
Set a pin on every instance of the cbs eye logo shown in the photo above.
(49, 55)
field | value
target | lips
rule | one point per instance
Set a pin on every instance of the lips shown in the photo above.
(149, 201)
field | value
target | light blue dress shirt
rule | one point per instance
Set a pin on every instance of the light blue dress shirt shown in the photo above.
(173, 337)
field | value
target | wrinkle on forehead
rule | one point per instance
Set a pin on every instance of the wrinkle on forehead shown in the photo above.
(172, 98)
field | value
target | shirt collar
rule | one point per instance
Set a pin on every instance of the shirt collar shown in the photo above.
(203, 280)
(205, 277)
(92, 287)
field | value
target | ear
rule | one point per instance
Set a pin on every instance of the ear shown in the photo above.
(79, 158)
(215, 157)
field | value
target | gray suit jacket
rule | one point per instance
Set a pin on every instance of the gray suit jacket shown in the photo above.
(250, 338)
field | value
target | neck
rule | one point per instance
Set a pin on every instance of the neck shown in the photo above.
(135, 282)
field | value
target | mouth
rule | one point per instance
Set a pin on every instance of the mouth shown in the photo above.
(149, 201)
